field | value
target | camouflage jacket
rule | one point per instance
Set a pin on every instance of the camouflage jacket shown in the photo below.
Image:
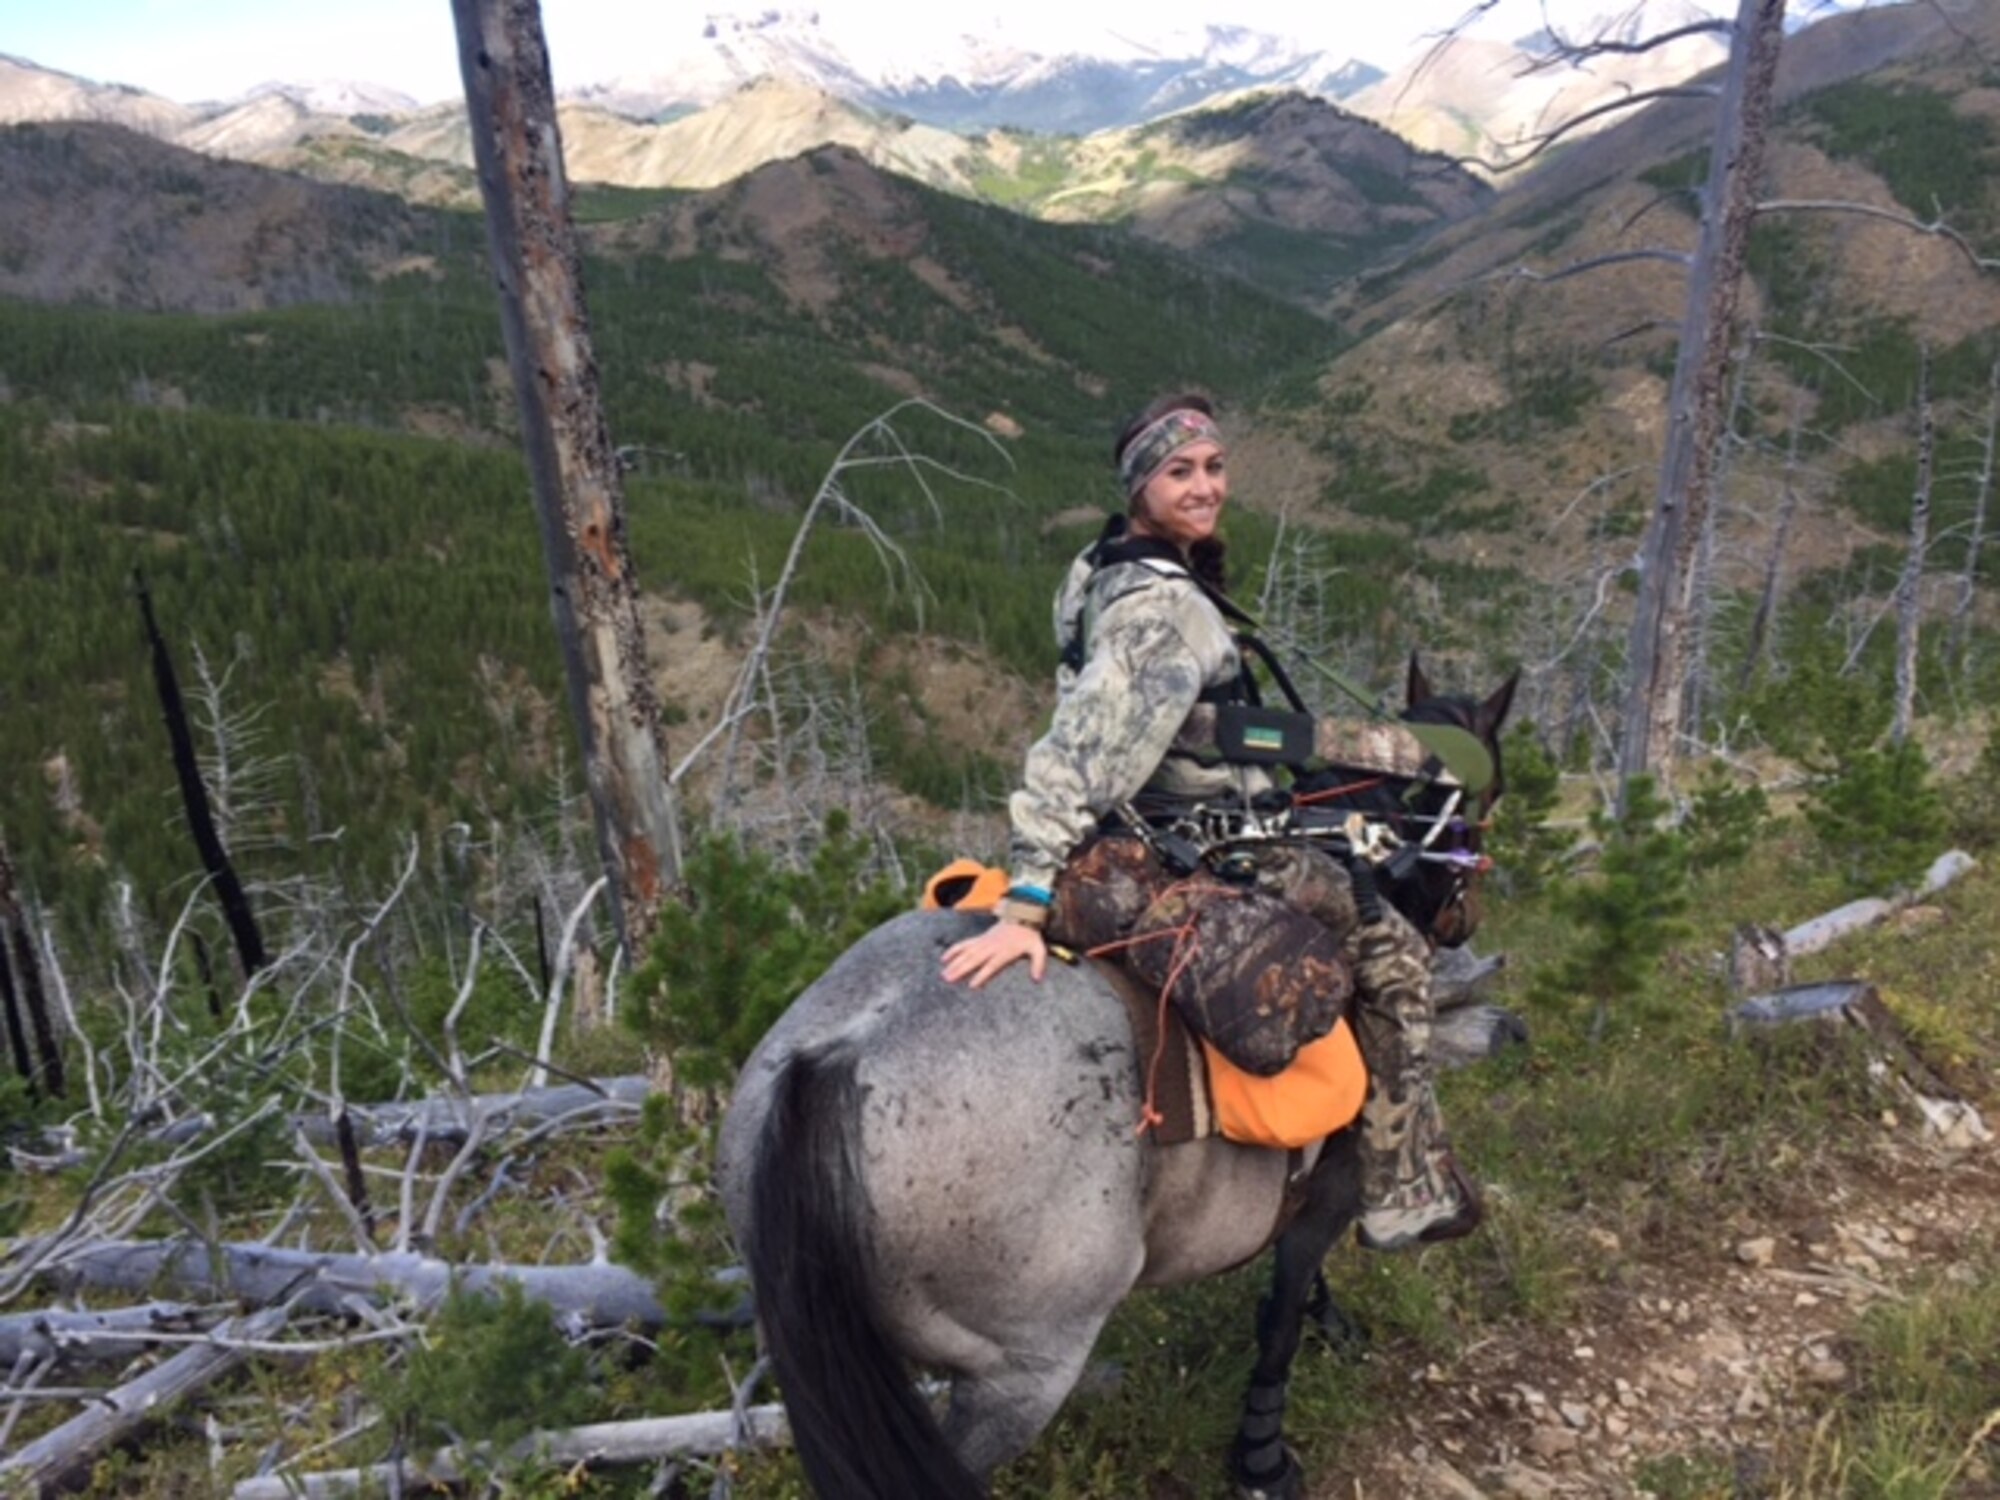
(1153, 643)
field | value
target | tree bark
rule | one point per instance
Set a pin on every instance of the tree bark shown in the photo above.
(1658, 655)
(1910, 586)
(579, 499)
(194, 796)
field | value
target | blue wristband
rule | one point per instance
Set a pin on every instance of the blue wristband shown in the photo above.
(1039, 895)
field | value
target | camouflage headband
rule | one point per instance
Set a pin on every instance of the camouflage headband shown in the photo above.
(1154, 444)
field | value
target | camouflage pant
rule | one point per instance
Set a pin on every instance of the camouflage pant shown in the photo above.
(1401, 1128)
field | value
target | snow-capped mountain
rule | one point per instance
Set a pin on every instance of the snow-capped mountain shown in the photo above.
(334, 96)
(964, 81)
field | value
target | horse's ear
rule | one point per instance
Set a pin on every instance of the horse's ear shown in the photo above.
(1493, 712)
(1418, 689)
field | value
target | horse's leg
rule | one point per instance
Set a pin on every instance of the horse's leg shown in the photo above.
(996, 1413)
(1259, 1460)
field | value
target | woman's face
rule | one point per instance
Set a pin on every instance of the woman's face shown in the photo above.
(1182, 503)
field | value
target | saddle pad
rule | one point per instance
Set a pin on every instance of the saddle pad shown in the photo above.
(1170, 1067)
(1320, 1092)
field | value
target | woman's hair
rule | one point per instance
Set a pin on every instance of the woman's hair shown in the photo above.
(1155, 409)
(1207, 559)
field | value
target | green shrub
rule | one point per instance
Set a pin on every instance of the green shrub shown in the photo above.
(1878, 816)
(1723, 820)
(1526, 852)
(1627, 912)
(492, 1369)
(749, 937)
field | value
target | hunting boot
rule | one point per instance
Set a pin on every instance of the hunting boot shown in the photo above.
(1413, 1191)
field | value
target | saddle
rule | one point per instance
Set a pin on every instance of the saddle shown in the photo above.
(1192, 1091)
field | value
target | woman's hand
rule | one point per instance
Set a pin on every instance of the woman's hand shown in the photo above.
(979, 958)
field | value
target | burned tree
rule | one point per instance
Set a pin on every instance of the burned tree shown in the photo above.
(579, 498)
(1698, 397)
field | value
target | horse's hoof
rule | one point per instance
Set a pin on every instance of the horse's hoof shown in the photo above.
(1288, 1483)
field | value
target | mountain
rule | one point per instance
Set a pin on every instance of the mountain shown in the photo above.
(767, 120)
(28, 92)
(1515, 412)
(1488, 101)
(1284, 189)
(98, 213)
(335, 96)
(261, 127)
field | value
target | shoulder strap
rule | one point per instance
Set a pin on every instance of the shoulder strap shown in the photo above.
(1116, 544)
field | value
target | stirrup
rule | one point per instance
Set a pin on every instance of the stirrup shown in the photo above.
(1430, 1224)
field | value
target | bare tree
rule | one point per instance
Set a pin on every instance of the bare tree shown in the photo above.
(215, 860)
(579, 496)
(1961, 615)
(1765, 617)
(1909, 587)
(1696, 399)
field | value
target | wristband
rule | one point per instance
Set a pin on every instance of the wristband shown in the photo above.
(1022, 913)
(1039, 894)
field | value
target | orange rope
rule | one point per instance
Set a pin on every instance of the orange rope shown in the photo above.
(1186, 946)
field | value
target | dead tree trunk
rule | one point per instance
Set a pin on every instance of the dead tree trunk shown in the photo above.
(1701, 580)
(1968, 578)
(1698, 395)
(578, 495)
(17, 1037)
(1774, 566)
(1910, 586)
(27, 983)
(194, 796)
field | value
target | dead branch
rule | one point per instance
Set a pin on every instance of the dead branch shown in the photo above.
(1936, 228)
(538, 1077)
(1595, 263)
(1549, 138)
(607, 1443)
(581, 1296)
(115, 1414)
(1568, 53)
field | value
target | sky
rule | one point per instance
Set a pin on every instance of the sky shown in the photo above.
(195, 50)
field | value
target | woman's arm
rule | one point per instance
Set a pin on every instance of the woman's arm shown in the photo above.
(1108, 736)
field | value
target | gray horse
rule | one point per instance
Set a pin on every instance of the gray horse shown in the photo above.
(919, 1173)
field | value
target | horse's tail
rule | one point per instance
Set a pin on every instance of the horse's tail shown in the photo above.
(861, 1429)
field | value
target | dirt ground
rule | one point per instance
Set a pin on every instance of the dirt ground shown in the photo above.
(1719, 1357)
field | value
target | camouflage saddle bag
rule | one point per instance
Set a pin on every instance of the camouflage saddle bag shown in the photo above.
(1254, 975)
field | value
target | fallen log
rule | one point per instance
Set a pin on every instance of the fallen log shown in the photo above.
(37, 1467)
(1827, 929)
(81, 1337)
(582, 1296)
(607, 1443)
(440, 1119)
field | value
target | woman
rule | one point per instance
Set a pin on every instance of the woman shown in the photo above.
(1153, 644)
